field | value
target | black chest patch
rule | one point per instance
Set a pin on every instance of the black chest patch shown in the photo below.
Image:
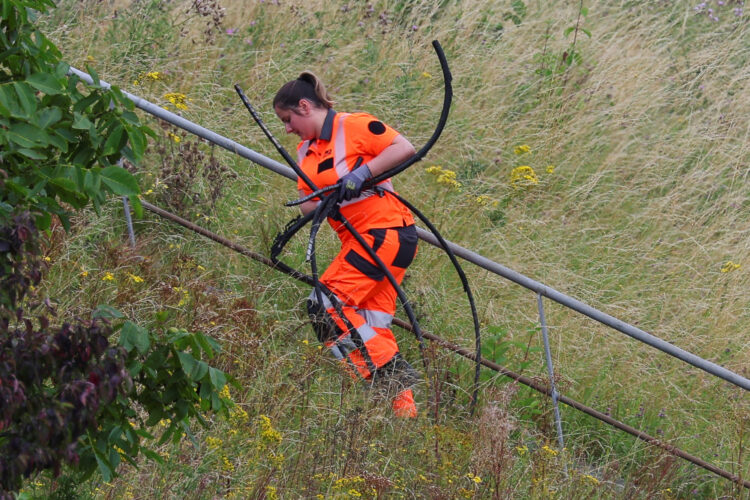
(325, 165)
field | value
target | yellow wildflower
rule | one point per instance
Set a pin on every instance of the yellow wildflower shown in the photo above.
(549, 451)
(474, 478)
(426, 75)
(271, 493)
(134, 278)
(214, 443)
(177, 99)
(591, 479)
(277, 459)
(523, 176)
(84, 273)
(238, 415)
(224, 393)
(108, 277)
(466, 493)
(185, 295)
(444, 176)
(154, 75)
(483, 200)
(523, 148)
(550, 169)
(730, 266)
(47, 259)
(522, 449)
(448, 178)
(176, 138)
(226, 465)
(268, 433)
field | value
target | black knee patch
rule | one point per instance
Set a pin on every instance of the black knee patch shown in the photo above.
(323, 325)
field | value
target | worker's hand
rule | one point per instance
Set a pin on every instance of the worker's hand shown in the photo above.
(351, 183)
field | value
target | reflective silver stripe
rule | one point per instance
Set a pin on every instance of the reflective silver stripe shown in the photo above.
(366, 332)
(346, 345)
(336, 352)
(339, 158)
(377, 319)
(365, 194)
(326, 301)
(301, 152)
(387, 185)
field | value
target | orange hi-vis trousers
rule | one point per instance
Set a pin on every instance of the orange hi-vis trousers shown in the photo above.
(366, 296)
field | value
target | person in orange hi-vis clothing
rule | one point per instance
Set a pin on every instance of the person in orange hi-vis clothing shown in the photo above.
(332, 143)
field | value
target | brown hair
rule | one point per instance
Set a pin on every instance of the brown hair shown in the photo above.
(306, 86)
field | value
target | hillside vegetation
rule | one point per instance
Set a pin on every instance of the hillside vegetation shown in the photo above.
(600, 148)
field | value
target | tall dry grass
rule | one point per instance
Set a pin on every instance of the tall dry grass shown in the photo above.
(640, 208)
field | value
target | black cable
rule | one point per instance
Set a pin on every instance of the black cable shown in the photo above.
(464, 282)
(321, 212)
(283, 237)
(350, 228)
(532, 383)
(283, 152)
(324, 205)
(447, 99)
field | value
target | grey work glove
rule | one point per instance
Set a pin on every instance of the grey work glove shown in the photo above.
(351, 183)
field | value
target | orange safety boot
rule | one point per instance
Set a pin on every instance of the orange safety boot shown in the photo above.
(403, 405)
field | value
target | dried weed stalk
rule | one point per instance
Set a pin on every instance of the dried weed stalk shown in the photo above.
(492, 448)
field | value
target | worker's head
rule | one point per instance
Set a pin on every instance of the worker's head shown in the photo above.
(302, 104)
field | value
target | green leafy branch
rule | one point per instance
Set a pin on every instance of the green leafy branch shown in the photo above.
(60, 140)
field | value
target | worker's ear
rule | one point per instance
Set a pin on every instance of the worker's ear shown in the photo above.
(304, 107)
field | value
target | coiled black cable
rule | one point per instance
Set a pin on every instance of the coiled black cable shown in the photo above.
(325, 207)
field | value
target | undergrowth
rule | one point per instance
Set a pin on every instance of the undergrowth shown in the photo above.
(597, 147)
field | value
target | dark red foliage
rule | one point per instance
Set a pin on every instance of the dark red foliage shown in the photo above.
(53, 380)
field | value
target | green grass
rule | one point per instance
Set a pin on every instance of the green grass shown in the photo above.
(647, 202)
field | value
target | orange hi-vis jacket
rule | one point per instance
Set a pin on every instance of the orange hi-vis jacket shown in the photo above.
(344, 138)
(368, 299)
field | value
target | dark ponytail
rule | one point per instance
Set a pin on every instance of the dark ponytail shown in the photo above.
(306, 86)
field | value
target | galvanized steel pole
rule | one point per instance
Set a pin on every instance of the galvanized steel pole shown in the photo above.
(592, 313)
(468, 255)
(551, 372)
(196, 129)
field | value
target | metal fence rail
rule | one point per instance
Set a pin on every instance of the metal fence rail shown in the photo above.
(444, 344)
(464, 253)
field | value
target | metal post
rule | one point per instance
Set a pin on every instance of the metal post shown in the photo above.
(551, 372)
(128, 221)
(125, 204)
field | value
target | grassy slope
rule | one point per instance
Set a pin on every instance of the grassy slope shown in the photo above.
(646, 203)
